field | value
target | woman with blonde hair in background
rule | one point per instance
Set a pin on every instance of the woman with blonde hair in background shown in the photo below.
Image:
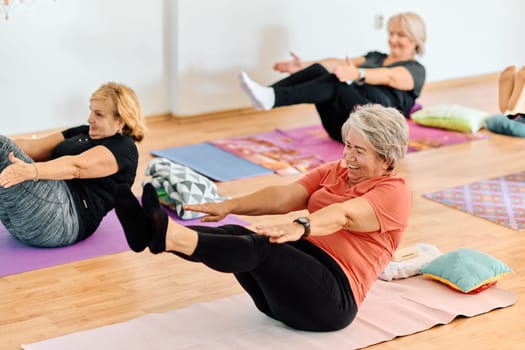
(55, 190)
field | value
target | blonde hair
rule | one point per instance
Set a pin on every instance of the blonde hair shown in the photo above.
(385, 128)
(413, 25)
(127, 107)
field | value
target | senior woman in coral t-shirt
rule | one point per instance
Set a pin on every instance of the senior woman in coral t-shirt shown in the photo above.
(313, 273)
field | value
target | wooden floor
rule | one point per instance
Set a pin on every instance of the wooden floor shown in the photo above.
(59, 300)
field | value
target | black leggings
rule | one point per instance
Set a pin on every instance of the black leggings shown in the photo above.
(296, 283)
(333, 99)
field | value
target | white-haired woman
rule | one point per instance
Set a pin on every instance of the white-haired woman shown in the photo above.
(313, 273)
(337, 85)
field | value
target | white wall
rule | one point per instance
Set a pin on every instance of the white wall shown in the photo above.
(219, 38)
(183, 56)
(54, 54)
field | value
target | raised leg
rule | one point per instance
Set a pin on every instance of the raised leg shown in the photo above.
(505, 87)
(137, 227)
(149, 225)
(262, 97)
(517, 99)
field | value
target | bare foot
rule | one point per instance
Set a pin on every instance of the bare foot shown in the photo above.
(505, 87)
(180, 238)
(517, 99)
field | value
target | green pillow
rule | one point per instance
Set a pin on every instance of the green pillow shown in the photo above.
(466, 270)
(500, 124)
(451, 117)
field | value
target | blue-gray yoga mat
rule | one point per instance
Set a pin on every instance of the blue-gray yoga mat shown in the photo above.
(212, 162)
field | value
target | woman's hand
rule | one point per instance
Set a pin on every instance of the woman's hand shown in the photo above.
(18, 171)
(213, 211)
(291, 66)
(281, 233)
(347, 72)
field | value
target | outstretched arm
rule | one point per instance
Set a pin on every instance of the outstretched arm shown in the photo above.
(395, 77)
(354, 215)
(290, 66)
(270, 200)
(332, 64)
(296, 64)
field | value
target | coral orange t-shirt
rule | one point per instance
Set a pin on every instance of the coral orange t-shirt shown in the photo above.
(361, 255)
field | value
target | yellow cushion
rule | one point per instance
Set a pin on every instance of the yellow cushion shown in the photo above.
(451, 117)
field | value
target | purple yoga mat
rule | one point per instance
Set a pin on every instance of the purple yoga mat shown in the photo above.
(16, 257)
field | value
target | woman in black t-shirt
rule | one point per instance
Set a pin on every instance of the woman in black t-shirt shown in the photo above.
(336, 86)
(55, 190)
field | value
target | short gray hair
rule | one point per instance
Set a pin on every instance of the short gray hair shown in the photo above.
(414, 27)
(385, 128)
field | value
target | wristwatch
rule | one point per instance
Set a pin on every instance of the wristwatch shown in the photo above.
(306, 224)
(361, 79)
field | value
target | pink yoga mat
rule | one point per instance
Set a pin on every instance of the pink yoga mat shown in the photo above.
(16, 257)
(286, 152)
(296, 151)
(423, 137)
(391, 309)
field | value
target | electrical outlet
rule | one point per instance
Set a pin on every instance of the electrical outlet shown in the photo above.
(378, 21)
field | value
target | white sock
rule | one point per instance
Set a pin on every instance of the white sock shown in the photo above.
(262, 97)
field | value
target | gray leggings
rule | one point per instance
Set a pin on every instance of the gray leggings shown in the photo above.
(39, 213)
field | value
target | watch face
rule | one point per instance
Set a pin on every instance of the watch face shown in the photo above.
(303, 221)
(306, 224)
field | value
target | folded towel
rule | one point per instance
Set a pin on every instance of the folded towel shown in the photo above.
(178, 185)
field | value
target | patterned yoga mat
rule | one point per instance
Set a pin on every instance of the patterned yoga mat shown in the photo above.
(500, 200)
(286, 152)
(296, 151)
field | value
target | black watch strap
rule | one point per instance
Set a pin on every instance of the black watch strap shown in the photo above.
(306, 224)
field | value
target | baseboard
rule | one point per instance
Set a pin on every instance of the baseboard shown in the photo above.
(211, 115)
(449, 83)
(430, 86)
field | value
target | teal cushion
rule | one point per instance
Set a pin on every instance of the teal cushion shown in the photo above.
(500, 124)
(451, 117)
(466, 270)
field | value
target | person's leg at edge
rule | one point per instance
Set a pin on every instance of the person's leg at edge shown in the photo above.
(287, 279)
(517, 99)
(505, 87)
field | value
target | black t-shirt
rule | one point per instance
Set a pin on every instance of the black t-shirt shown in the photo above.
(94, 198)
(388, 96)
